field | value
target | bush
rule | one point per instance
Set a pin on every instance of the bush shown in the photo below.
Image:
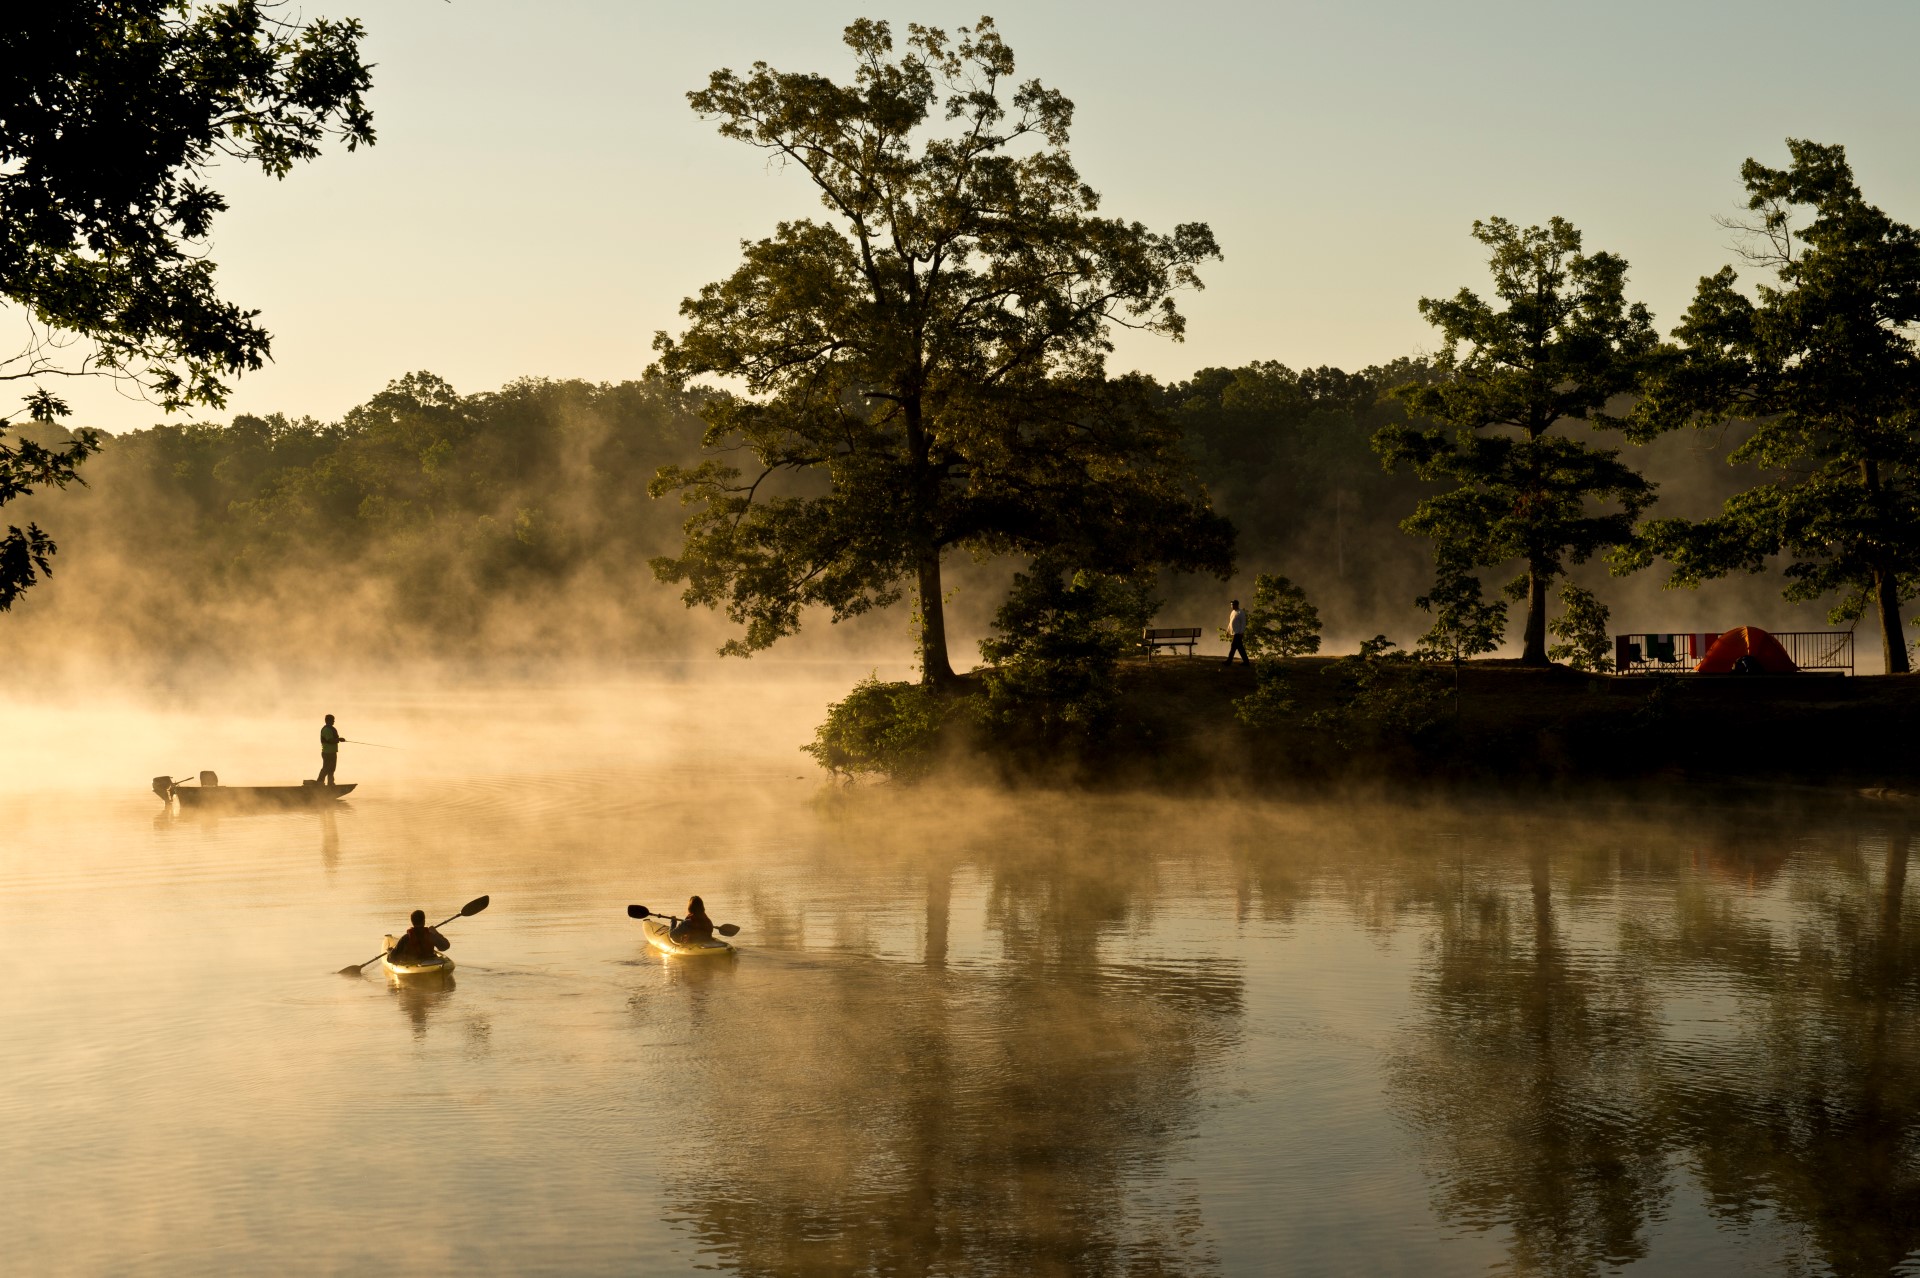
(1281, 622)
(1464, 624)
(1050, 682)
(1584, 627)
(1386, 699)
(890, 729)
(1269, 705)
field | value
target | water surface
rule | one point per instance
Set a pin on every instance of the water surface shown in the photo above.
(967, 1032)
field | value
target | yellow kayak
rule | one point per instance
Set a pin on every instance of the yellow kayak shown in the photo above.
(439, 966)
(660, 936)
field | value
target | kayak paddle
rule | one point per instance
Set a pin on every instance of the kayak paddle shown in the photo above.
(642, 912)
(467, 911)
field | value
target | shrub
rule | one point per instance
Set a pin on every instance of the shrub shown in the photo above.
(1281, 622)
(1386, 699)
(1269, 705)
(891, 729)
(1584, 628)
(1049, 687)
(1464, 624)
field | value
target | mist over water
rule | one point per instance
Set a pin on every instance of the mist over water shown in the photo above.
(967, 1031)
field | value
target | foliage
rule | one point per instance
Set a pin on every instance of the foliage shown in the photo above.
(1824, 364)
(1287, 457)
(1565, 343)
(925, 369)
(1281, 622)
(111, 115)
(1386, 699)
(1271, 703)
(27, 464)
(1049, 685)
(889, 729)
(1464, 624)
(1583, 630)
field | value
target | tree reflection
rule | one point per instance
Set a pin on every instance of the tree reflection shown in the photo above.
(1813, 1109)
(968, 1116)
(1530, 1081)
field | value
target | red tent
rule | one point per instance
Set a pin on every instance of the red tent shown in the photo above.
(1750, 644)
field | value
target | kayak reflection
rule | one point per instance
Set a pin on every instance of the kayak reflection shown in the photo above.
(421, 998)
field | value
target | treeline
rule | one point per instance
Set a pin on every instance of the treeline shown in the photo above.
(423, 521)
(517, 522)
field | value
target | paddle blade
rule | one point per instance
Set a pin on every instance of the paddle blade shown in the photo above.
(638, 911)
(474, 906)
(728, 929)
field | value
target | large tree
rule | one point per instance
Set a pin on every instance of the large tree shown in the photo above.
(924, 369)
(1562, 344)
(111, 113)
(1824, 365)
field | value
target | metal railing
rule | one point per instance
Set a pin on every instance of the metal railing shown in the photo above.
(1680, 652)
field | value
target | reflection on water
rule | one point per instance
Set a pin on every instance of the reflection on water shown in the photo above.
(965, 1034)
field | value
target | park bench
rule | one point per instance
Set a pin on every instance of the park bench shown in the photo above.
(1181, 636)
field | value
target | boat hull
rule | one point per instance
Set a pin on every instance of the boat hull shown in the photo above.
(201, 797)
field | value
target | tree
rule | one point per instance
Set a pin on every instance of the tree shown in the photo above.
(1582, 630)
(1565, 343)
(924, 370)
(1824, 365)
(1281, 622)
(1464, 623)
(110, 114)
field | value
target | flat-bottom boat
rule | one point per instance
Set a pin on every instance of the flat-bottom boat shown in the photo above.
(660, 935)
(211, 794)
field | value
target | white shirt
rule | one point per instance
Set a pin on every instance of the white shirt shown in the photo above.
(1236, 622)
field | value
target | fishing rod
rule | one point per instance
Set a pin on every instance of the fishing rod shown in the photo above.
(375, 744)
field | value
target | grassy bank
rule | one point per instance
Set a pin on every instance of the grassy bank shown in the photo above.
(1176, 724)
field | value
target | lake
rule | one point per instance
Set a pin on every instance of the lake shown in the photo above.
(966, 1032)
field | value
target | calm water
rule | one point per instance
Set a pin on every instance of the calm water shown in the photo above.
(966, 1033)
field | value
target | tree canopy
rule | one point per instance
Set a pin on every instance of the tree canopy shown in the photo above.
(111, 112)
(924, 369)
(1824, 365)
(1563, 343)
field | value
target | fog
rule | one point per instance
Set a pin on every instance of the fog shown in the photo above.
(968, 1030)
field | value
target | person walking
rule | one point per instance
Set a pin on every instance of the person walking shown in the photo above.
(329, 752)
(1237, 628)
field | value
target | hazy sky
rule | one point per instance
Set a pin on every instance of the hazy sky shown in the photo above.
(541, 197)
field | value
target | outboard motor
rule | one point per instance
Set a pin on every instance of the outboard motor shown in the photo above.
(163, 786)
(209, 779)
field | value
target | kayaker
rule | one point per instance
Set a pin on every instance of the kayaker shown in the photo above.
(421, 944)
(696, 926)
(329, 751)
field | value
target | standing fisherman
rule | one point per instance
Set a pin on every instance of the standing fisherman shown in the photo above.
(329, 752)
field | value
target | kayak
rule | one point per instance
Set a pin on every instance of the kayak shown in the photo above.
(440, 966)
(660, 936)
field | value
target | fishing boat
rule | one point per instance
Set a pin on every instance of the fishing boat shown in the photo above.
(209, 793)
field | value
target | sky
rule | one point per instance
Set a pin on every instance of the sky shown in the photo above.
(541, 196)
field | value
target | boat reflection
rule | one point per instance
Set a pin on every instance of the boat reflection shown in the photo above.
(421, 997)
